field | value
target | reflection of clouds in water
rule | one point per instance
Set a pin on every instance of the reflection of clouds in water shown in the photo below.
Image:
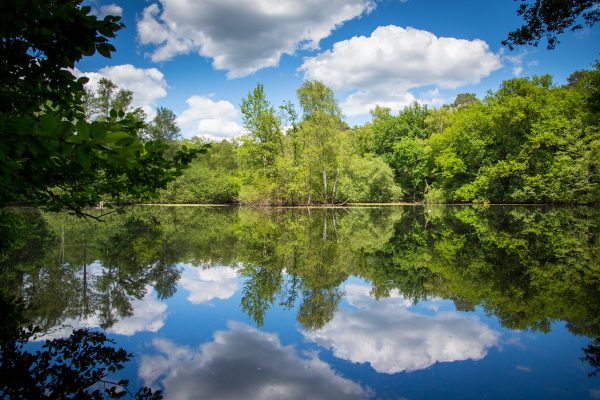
(391, 338)
(208, 284)
(148, 315)
(67, 327)
(243, 363)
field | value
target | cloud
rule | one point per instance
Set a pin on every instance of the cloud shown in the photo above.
(384, 67)
(110, 9)
(107, 9)
(147, 84)
(208, 284)
(213, 119)
(243, 363)
(242, 36)
(516, 61)
(391, 338)
(363, 101)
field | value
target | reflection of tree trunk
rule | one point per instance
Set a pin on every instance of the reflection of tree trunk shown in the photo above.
(325, 185)
(109, 315)
(325, 227)
(334, 195)
(85, 284)
(61, 257)
(334, 218)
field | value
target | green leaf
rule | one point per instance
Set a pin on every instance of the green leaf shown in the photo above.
(126, 141)
(49, 124)
(98, 130)
(84, 160)
(114, 137)
(83, 130)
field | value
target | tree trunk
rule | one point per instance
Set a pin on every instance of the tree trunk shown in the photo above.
(334, 195)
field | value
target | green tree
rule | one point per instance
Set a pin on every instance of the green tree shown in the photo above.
(99, 101)
(401, 142)
(51, 156)
(318, 132)
(464, 100)
(264, 179)
(163, 126)
(550, 18)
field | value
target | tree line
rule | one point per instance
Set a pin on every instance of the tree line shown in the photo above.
(531, 141)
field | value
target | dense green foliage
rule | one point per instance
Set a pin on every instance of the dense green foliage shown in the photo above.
(51, 154)
(531, 141)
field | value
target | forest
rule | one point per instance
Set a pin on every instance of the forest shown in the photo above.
(531, 141)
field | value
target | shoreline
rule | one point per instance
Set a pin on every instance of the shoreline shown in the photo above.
(366, 205)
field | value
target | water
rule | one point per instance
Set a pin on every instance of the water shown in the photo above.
(384, 302)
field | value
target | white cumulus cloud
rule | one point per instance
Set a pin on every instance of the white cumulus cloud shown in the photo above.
(110, 9)
(215, 119)
(208, 284)
(147, 84)
(102, 11)
(243, 363)
(242, 36)
(384, 67)
(391, 338)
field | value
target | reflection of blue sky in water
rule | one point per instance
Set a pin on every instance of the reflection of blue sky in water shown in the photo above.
(392, 338)
(243, 362)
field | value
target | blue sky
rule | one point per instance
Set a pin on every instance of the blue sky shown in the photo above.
(201, 57)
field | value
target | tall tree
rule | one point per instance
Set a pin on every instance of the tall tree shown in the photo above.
(163, 126)
(322, 121)
(262, 148)
(106, 96)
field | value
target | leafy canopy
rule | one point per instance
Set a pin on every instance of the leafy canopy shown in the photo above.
(549, 18)
(51, 155)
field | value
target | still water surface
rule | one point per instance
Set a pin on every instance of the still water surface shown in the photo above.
(387, 303)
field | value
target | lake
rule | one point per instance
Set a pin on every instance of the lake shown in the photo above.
(399, 302)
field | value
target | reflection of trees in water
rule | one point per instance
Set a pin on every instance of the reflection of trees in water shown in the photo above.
(528, 266)
(80, 366)
(592, 356)
(88, 270)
